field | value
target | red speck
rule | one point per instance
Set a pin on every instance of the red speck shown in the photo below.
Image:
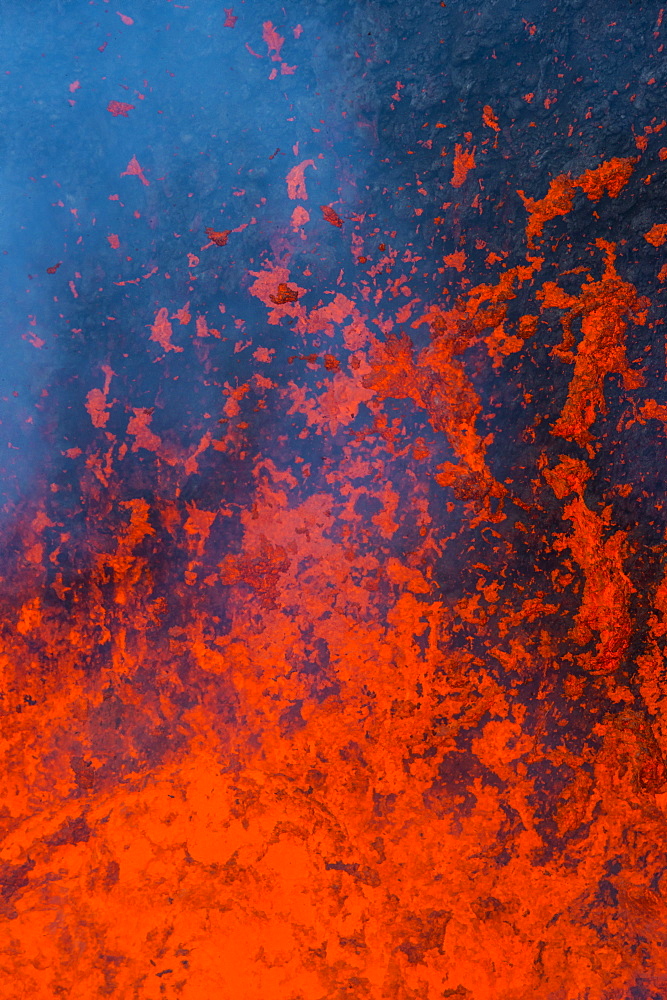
(118, 108)
(74, 86)
(296, 183)
(285, 294)
(219, 238)
(52, 270)
(489, 118)
(298, 31)
(464, 161)
(230, 18)
(457, 260)
(193, 260)
(134, 169)
(273, 40)
(657, 235)
(124, 18)
(331, 216)
(113, 241)
(102, 47)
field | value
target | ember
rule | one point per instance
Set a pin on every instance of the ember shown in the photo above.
(284, 294)
(219, 238)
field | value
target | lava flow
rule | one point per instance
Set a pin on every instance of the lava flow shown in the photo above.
(334, 594)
